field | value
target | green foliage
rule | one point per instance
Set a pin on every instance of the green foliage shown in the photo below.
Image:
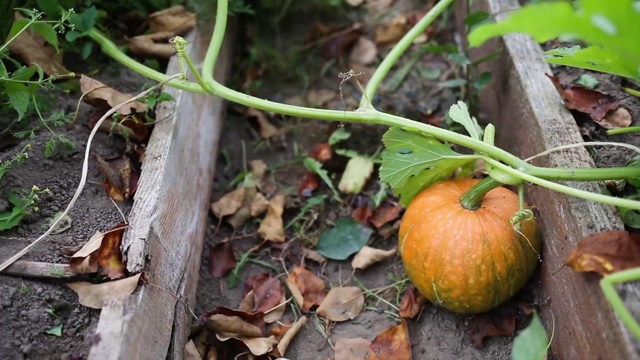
(19, 158)
(22, 206)
(532, 343)
(610, 28)
(413, 161)
(315, 166)
(345, 239)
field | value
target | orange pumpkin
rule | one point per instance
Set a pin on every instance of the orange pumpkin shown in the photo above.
(467, 261)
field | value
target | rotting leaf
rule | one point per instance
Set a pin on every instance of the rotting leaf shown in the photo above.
(266, 128)
(267, 295)
(277, 312)
(120, 181)
(342, 304)
(362, 214)
(84, 260)
(490, 324)
(308, 184)
(229, 204)
(391, 344)
(368, 256)
(385, 213)
(349, 349)
(606, 252)
(272, 227)
(411, 303)
(94, 295)
(307, 289)
(345, 239)
(105, 97)
(341, 42)
(392, 31)
(154, 45)
(364, 52)
(355, 175)
(592, 102)
(221, 259)
(109, 255)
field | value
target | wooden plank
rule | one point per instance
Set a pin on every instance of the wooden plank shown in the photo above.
(168, 222)
(530, 118)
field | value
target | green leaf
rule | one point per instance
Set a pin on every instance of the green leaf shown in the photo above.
(55, 331)
(72, 35)
(483, 80)
(588, 81)
(86, 50)
(429, 73)
(50, 147)
(345, 239)
(89, 18)
(460, 114)
(594, 58)
(355, 175)
(453, 83)
(164, 97)
(380, 195)
(17, 27)
(339, 135)
(24, 73)
(50, 7)
(475, 18)
(634, 162)
(315, 166)
(18, 97)
(48, 33)
(459, 58)
(532, 342)
(412, 162)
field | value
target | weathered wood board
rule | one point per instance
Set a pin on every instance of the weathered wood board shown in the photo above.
(167, 222)
(530, 118)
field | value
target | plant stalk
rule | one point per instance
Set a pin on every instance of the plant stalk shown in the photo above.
(472, 199)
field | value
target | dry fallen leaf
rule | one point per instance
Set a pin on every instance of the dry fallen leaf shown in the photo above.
(490, 324)
(309, 183)
(94, 295)
(109, 256)
(368, 256)
(385, 213)
(342, 304)
(32, 48)
(349, 349)
(321, 152)
(267, 295)
(290, 334)
(364, 52)
(272, 227)
(191, 351)
(84, 260)
(266, 128)
(618, 118)
(307, 289)
(130, 128)
(411, 303)
(102, 96)
(175, 19)
(313, 255)
(154, 45)
(229, 204)
(120, 180)
(320, 97)
(392, 31)
(354, 3)
(391, 344)
(276, 313)
(221, 259)
(606, 252)
(362, 214)
(592, 102)
(340, 42)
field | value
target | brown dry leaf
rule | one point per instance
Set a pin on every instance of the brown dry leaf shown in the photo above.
(130, 128)
(107, 97)
(232, 326)
(321, 152)
(290, 334)
(229, 204)
(606, 252)
(276, 313)
(248, 328)
(84, 260)
(368, 256)
(391, 344)
(490, 324)
(378, 6)
(175, 19)
(152, 45)
(266, 128)
(309, 183)
(385, 213)
(364, 52)
(221, 259)
(342, 304)
(258, 168)
(120, 180)
(272, 227)
(259, 205)
(340, 42)
(94, 295)
(244, 213)
(109, 256)
(591, 102)
(191, 351)
(362, 214)
(392, 31)
(411, 303)
(307, 289)
(618, 118)
(349, 349)
(31, 48)
(267, 295)
(251, 282)
(247, 303)
(313, 255)
(320, 97)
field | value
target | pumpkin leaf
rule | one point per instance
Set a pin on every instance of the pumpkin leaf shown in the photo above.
(345, 239)
(460, 114)
(412, 162)
(532, 343)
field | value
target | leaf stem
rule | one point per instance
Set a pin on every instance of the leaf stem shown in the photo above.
(472, 199)
(630, 129)
(399, 49)
(607, 285)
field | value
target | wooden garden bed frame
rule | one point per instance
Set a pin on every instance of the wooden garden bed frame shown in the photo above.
(530, 118)
(168, 222)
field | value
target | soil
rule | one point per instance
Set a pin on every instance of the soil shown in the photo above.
(435, 333)
(25, 302)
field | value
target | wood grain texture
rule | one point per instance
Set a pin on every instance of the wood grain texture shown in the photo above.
(167, 225)
(530, 117)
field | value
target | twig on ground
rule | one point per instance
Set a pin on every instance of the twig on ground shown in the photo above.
(85, 171)
(36, 269)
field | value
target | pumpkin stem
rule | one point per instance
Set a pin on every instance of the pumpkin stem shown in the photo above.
(472, 199)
